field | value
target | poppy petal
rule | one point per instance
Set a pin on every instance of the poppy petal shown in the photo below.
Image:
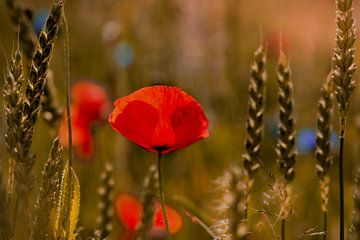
(137, 122)
(159, 118)
(189, 124)
(81, 135)
(175, 219)
(128, 210)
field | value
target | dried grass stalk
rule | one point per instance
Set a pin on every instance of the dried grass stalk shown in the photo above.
(254, 121)
(285, 148)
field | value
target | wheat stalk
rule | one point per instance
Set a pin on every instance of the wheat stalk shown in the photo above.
(105, 191)
(285, 147)
(254, 121)
(46, 202)
(343, 72)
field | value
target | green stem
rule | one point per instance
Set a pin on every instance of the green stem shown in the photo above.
(162, 195)
(67, 83)
(341, 178)
(283, 229)
(325, 225)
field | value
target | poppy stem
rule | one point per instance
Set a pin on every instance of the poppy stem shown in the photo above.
(162, 195)
(67, 82)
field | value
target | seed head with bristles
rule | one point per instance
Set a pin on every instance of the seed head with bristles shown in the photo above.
(344, 66)
(254, 121)
(285, 148)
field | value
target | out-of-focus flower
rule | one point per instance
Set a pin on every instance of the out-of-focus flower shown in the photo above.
(90, 105)
(111, 31)
(81, 134)
(129, 212)
(306, 142)
(159, 118)
(39, 20)
(91, 99)
(124, 54)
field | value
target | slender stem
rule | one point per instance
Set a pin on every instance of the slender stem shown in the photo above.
(162, 195)
(283, 229)
(341, 179)
(67, 83)
(325, 225)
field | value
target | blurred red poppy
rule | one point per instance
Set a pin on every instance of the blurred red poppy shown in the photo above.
(129, 211)
(81, 134)
(91, 99)
(160, 118)
(89, 104)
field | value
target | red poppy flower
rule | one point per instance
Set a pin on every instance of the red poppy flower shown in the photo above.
(159, 118)
(81, 134)
(91, 99)
(129, 211)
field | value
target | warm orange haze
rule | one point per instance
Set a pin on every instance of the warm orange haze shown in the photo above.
(184, 120)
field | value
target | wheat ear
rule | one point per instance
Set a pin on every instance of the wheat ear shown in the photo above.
(344, 68)
(254, 120)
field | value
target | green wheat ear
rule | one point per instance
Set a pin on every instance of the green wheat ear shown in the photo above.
(105, 190)
(46, 202)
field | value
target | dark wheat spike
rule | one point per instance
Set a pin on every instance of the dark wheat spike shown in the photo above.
(40, 63)
(21, 18)
(355, 227)
(323, 138)
(34, 90)
(344, 66)
(42, 226)
(285, 148)
(104, 225)
(149, 195)
(254, 121)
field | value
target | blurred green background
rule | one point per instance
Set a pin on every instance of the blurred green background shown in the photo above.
(204, 47)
